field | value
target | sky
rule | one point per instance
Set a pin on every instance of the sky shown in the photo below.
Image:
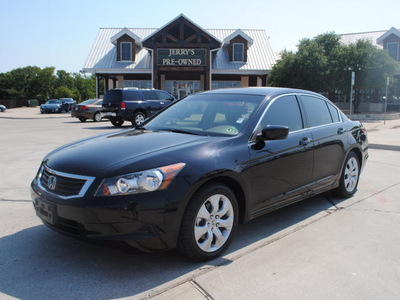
(60, 33)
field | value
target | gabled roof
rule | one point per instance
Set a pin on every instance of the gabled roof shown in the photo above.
(387, 34)
(351, 38)
(235, 34)
(127, 32)
(159, 31)
(103, 55)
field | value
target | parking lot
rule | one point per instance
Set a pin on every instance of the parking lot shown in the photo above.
(321, 248)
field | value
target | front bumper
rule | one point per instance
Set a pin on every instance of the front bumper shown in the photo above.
(141, 220)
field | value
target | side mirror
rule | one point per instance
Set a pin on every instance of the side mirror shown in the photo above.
(273, 132)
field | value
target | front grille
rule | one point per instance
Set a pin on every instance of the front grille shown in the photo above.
(62, 184)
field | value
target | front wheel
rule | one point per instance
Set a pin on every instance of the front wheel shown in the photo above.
(138, 118)
(209, 223)
(117, 122)
(350, 175)
(82, 119)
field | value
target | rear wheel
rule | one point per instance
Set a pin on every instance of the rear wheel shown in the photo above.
(82, 119)
(350, 175)
(138, 118)
(209, 223)
(97, 117)
(117, 122)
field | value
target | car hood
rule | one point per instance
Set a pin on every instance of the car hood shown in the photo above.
(122, 152)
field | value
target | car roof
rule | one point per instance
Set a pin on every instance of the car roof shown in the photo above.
(261, 91)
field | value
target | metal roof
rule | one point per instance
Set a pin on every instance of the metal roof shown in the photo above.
(103, 55)
(352, 38)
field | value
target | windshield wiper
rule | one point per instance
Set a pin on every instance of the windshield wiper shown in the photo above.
(181, 131)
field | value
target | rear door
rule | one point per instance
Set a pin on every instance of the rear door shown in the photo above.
(153, 103)
(327, 131)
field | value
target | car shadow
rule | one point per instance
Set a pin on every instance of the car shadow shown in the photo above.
(37, 263)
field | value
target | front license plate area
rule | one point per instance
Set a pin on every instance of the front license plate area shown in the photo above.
(45, 211)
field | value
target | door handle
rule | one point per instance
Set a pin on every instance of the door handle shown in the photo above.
(340, 130)
(304, 141)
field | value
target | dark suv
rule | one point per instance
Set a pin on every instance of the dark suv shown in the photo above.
(132, 104)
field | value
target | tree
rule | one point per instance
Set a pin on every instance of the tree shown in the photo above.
(324, 65)
(35, 83)
(371, 66)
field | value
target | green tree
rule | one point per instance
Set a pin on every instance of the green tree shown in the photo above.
(324, 65)
(63, 92)
(371, 66)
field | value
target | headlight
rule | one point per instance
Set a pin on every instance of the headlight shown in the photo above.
(139, 182)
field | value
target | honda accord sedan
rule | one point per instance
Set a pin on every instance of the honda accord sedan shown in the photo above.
(190, 174)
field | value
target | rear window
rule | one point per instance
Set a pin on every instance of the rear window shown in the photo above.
(112, 97)
(131, 96)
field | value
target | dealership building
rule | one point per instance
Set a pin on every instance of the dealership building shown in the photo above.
(180, 57)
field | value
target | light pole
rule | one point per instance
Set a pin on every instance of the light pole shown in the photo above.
(386, 99)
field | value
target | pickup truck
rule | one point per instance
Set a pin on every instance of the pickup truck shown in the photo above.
(134, 105)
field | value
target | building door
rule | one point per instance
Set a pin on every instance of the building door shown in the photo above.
(182, 88)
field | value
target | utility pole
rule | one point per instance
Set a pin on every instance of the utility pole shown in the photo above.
(386, 99)
(353, 77)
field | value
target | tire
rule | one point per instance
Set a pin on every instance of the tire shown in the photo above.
(117, 122)
(350, 176)
(138, 118)
(97, 117)
(82, 119)
(209, 223)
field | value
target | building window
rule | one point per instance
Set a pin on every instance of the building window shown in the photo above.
(393, 49)
(225, 84)
(238, 52)
(140, 84)
(126, 51)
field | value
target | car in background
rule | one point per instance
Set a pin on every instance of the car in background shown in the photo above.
(133, 104)
(89, 109)
(2, 108)
(188, 175)
(53, 106)
(69, 103)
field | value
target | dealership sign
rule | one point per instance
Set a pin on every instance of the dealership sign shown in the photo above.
(181, 57)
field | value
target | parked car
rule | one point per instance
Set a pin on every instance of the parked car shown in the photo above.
(188, 175)
(89, 109)
(53, 106)
(69, 103)
(134, 105)
(2, 108)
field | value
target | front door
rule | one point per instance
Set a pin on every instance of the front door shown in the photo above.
(281, 169)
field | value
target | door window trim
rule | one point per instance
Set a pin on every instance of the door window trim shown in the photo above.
(256, 131)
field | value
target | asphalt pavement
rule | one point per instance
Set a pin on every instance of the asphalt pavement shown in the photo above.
(321, 248)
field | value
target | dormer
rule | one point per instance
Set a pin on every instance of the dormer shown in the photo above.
(127, 44)
(238, 43)
(390, 40)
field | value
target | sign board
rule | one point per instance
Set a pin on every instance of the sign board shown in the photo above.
(353, 78)
(181, 57)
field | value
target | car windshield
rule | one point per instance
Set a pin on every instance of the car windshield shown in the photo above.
(207, 114)
(54, 102)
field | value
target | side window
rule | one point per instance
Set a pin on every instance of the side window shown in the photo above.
(317, 111)
(238, 52)
(334, 113)
(284, 111)
(131, 95)
(149, 95)
(163, 95)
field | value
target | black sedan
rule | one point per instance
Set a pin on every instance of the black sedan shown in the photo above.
(53, 106)
(188, 175)
(89, 109)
